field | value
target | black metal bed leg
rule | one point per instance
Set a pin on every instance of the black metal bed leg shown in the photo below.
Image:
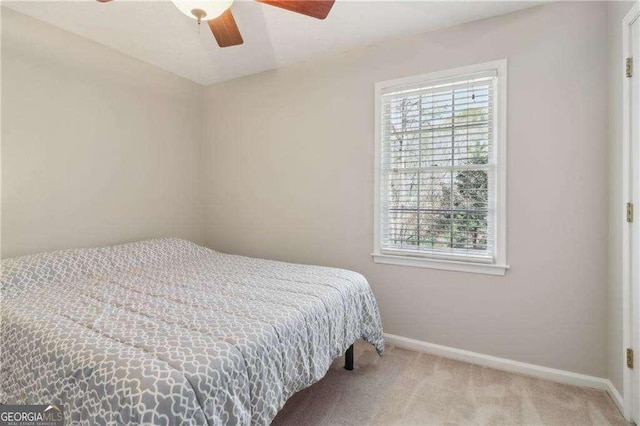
(348, 359)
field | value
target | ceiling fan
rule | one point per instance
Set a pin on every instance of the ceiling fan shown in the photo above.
(218, 14)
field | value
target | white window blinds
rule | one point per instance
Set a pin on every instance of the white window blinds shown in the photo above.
(437, 168)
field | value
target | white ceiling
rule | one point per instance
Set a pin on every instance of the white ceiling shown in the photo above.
(157, 33)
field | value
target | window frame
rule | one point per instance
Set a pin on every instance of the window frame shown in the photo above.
(498, 265)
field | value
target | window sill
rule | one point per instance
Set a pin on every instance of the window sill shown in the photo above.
(445, 265)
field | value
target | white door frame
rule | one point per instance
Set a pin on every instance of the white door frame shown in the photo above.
(630, 306)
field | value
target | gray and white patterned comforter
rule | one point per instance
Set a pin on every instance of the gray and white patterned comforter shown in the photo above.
(169, 332)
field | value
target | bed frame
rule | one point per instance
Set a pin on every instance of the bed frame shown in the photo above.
(348, 359)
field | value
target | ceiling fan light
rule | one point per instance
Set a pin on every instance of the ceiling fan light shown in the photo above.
(212, 8)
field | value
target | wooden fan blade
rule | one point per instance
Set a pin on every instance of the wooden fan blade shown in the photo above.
(314, 8)
(225, 30)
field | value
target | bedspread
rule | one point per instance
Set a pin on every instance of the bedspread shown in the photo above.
(168, 332)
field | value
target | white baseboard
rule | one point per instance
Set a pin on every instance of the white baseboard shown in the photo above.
(615, 396)
(552, 374)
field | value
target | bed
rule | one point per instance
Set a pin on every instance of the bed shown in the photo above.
(168, 332)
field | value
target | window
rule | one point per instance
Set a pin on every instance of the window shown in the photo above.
(440, 170)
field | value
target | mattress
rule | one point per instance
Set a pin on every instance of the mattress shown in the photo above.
(168, 332)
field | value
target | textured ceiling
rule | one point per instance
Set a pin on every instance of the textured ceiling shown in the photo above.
(157, 33)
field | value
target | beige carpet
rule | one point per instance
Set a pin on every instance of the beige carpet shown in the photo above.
(409, 388)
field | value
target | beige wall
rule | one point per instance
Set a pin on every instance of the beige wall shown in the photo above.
(615, 13)
(289, 158)
(97, 147)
